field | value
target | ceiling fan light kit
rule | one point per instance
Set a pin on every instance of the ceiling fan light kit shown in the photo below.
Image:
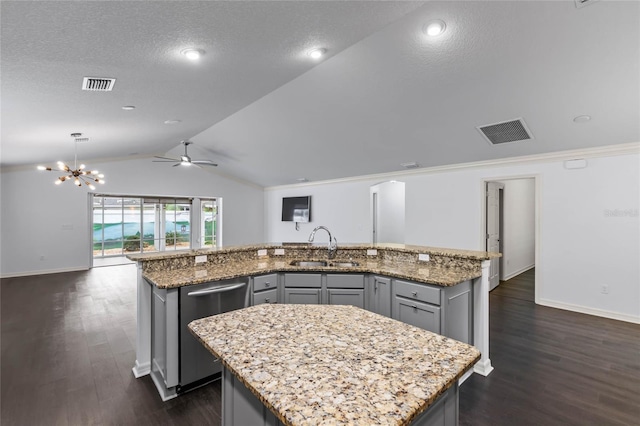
(184, 159)
(78, 174)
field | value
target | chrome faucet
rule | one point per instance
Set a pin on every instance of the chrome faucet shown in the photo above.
(333, 242)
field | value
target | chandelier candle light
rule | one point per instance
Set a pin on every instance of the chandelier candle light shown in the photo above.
(78, 174)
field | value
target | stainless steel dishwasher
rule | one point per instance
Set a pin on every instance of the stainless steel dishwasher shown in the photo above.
(197, 365)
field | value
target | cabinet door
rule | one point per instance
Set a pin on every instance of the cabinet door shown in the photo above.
(417, 314)
(353, 297)
(269, 296)
(307, 296)
(381, 296)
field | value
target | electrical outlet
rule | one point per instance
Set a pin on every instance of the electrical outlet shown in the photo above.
(372, 252)
(262, 252)
(279, 252)
(423, 257)
(201, 259)
(604, 289)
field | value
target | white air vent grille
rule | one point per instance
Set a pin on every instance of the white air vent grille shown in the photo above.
(505, 131)
(82, 140)
(98, 84)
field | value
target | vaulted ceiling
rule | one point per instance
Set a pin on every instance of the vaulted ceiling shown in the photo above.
(384, 94)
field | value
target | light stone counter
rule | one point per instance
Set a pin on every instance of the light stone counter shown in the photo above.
(322, 364)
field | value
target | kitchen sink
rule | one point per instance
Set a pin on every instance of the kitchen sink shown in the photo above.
(344, 264)
(309, 263)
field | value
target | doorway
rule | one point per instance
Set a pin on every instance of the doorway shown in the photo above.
(510, 226)
(387, 212)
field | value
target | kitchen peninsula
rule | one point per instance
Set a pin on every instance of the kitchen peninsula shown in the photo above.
(309, 364)
(440, 290)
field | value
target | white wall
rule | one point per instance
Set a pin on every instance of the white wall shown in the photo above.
(580, 246)
(518, 237)
(34, 211)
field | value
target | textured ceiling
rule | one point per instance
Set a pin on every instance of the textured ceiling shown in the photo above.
(263, 110)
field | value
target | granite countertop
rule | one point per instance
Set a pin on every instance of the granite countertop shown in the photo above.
(311, 364)
(406, 248)
(424, 272)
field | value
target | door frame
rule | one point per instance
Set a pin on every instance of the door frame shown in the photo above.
(499, 199)
(537, 179)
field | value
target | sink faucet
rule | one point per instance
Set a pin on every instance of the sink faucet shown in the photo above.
(333, 242)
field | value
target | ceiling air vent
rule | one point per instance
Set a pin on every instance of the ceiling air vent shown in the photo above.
(583, 3)
(98, 84)
(505, 131)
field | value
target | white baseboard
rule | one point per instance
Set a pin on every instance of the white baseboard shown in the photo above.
(590, 311)
(44, 272)
(518, 272)
(140, 370)
(483, 367)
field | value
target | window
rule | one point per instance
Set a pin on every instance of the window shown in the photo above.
(123, 225)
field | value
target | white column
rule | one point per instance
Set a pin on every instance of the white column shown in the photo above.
(142, 366)
(481, 320)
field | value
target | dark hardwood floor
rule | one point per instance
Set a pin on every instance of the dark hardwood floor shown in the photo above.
(553, 367)
(67, 348)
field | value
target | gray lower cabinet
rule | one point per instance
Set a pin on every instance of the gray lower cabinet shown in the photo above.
(338, 296)
(443, 310)
(416, 313)
(265, 289)
(307, 296)
(164, 339)
(380, 295)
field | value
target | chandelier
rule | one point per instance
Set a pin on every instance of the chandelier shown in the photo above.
(78, 174)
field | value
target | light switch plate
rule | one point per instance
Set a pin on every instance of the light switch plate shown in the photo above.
(423, 257)
(262, 252)
(279, 252)
(201, 258)
(372, 252)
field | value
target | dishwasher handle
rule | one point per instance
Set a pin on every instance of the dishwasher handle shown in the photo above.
(214, 290)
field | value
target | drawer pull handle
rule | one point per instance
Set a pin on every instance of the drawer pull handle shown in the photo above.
(267, 284)
(415, 294)
(415, 307)
(266, 300)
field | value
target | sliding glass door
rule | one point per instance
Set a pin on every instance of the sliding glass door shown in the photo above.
(123, 225)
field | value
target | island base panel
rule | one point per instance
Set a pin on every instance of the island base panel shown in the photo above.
(240, 407)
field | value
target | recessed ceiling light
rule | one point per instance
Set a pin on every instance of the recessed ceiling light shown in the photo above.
(172, 121)
(193, 54)
(582, 118)
(317, 53)
(434, 28)
(128, 107)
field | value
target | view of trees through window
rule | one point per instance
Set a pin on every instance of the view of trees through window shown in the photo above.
(123, 225)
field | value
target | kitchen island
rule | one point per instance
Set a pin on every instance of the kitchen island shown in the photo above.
(315, 364)
(441, 290)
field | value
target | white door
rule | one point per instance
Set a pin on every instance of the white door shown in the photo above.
(493, 230)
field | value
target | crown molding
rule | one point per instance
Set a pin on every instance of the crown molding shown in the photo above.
(601, 151)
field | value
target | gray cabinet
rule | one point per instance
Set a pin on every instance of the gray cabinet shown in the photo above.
(443, 310)
(338, 296)
(164, 339)
(379, 294)
(417, 313)
(307, 296)
(265, 289)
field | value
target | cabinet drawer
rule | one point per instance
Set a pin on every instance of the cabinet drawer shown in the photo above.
(345, 281)
(265, 282)
(303, 280)
(267, 296)
(418, 314)
(421, 292)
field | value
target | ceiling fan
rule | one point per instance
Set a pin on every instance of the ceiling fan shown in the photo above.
(185, 160)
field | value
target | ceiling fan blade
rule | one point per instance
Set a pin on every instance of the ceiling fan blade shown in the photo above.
(163, 161)
(176, 165)
(166, 158)
(205, 163)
